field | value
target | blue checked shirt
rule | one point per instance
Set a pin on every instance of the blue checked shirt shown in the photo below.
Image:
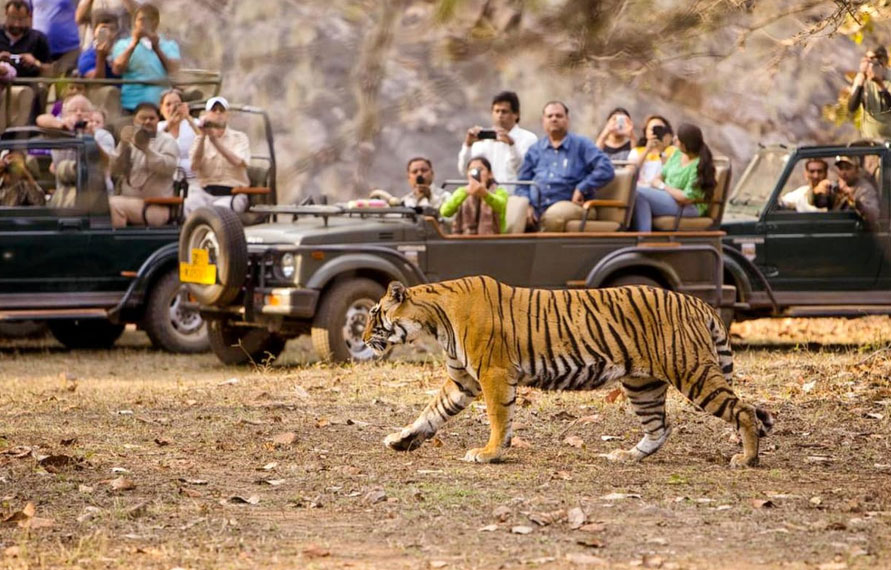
(576, 163)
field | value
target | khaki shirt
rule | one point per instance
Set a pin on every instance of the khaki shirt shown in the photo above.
(147, 174)
(214, 169)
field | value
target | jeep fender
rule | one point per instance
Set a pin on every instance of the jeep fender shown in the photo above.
(352, 262)
(163, 259)
(622, 260)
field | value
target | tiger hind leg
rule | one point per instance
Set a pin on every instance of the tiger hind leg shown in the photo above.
(709, 390)
(648, 401)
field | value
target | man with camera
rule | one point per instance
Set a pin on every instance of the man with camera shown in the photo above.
(423, 193)
(870, 90)
(27, 51)
(504, 145)
(219, 158)
(567, 169)
(854, 190)
(145, 161)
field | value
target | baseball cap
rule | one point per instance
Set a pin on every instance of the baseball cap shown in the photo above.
(849, 159)
(216, 101)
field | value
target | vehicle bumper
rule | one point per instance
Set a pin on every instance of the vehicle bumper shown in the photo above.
(300, 303)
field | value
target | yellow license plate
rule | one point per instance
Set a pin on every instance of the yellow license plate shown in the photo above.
(200, 270)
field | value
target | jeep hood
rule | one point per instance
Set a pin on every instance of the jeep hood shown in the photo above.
(313, 230)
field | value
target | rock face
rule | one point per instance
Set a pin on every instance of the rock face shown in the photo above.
(356, 88)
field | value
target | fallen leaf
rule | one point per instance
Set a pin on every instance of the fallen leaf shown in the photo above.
(36, 522)
(610, 437)
(18, 452)
(119, 470)
(375, 496)
(585, 559)
(502, 513)
(574, 441)
(593, 527)
(192, 493)
(521, 529)
(193, 481)
(589, 419)
(322, 422)
(519, 443)
(763, 503)
(357, 423)
(228, 382)
(615, 394)
(122, 484)
(816, 501)
(576, 517)
(544, 519)
(286, 438)
(56, 463)
(436, 442)
(488, 528)
(237, 500)
(874, 415)
(619, 496)
(68, 440)
(161, 442)
(86, 489)
(438, 564)
(26, 513)
(590, 542)
(833, 566)
(314, 551)
(652, 561)
(268, 467)
(271, 482)
(808, 387)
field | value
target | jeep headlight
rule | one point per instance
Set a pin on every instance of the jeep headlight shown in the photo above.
(288, 266)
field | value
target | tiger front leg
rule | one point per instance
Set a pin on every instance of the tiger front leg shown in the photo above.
(500, 396)
(454, 396)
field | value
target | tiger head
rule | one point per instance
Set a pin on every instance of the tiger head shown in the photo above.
(394, 320)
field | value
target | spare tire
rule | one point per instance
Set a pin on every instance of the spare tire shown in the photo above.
(219, 232)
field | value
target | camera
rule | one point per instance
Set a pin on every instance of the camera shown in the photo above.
(419, 179)
(80, 125)
(660, 131)
(475, 174)
(621, 122)
(15, 58)
(487, 134)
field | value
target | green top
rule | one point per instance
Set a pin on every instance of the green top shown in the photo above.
(684, 179)
(497, 200)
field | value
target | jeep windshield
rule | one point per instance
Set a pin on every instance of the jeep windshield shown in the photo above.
(757, 184)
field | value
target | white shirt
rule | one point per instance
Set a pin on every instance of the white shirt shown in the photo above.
(184, 141)
(506, 159)
(437, 195)
(801, 200)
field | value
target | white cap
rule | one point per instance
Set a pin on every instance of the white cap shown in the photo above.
(214, 101)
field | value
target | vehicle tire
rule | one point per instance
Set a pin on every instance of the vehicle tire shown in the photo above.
(340, 320)
(85, 333)
(168, 323)
(243, 345)
(219, 232)
(632, 280)
(23, 329)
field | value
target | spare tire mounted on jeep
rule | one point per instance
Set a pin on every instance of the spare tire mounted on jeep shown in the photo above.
(218, 233)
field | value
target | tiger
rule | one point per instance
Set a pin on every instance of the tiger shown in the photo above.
(496, 337)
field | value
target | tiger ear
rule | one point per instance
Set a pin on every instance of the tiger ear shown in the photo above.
(397, 291)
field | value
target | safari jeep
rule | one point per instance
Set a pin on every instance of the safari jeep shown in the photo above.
(67, 266)
(319, 269)
(806, 264)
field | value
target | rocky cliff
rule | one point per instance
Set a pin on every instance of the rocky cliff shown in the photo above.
(357, 87)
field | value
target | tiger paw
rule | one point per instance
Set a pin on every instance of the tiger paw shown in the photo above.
(623, 456)
(480, 455)
(740, 460)
(405, 440)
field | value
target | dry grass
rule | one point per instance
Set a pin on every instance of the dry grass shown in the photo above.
(192, 434)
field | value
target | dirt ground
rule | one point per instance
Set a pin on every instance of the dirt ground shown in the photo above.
(137, 458)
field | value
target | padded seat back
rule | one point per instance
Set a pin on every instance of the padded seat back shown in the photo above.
(610, 218)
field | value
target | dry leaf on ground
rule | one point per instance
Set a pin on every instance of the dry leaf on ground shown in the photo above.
(574, 441)
(520, 529)
(286, 438)
(576, 517)
(314, 551)
(585, 559)
(122, 484)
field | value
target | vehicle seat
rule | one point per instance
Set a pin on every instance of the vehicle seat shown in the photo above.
(611, 210)
(716, 205)
(515, 216)
(20, 104)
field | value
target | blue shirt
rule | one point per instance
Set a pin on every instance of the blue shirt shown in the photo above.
(87, 63)
(55, 18)
(576, 163)
(144, 64)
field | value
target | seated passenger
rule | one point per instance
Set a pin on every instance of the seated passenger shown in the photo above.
(802, 198)
(28, 51)
(144, 56)
(653, 149)
(423, 194)
(17, 186)
(219, 158)
(93, 60)
(480, 207)
(854, 190)
(145, 160)
(179, 124)
(688, 176)
(615, 140)
(567, 169)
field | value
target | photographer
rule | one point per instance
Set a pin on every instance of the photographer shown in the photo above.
(853, 191)
(505, 144)
(480, 207)
(423, 194)
(219, 158)
(616, 137)
(93, 61)
(145, 160)
(870, 90)
(653, 149)
(25, 48)
(17, 186)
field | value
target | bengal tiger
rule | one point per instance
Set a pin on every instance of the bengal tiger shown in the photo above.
(498, 337)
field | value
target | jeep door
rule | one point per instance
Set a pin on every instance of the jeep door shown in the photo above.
(819, 250)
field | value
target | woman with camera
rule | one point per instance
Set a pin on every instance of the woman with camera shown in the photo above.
(616, 137)
(870, 90)
(480, 207)
(687, 178)
(653, 149)
(179, 124)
